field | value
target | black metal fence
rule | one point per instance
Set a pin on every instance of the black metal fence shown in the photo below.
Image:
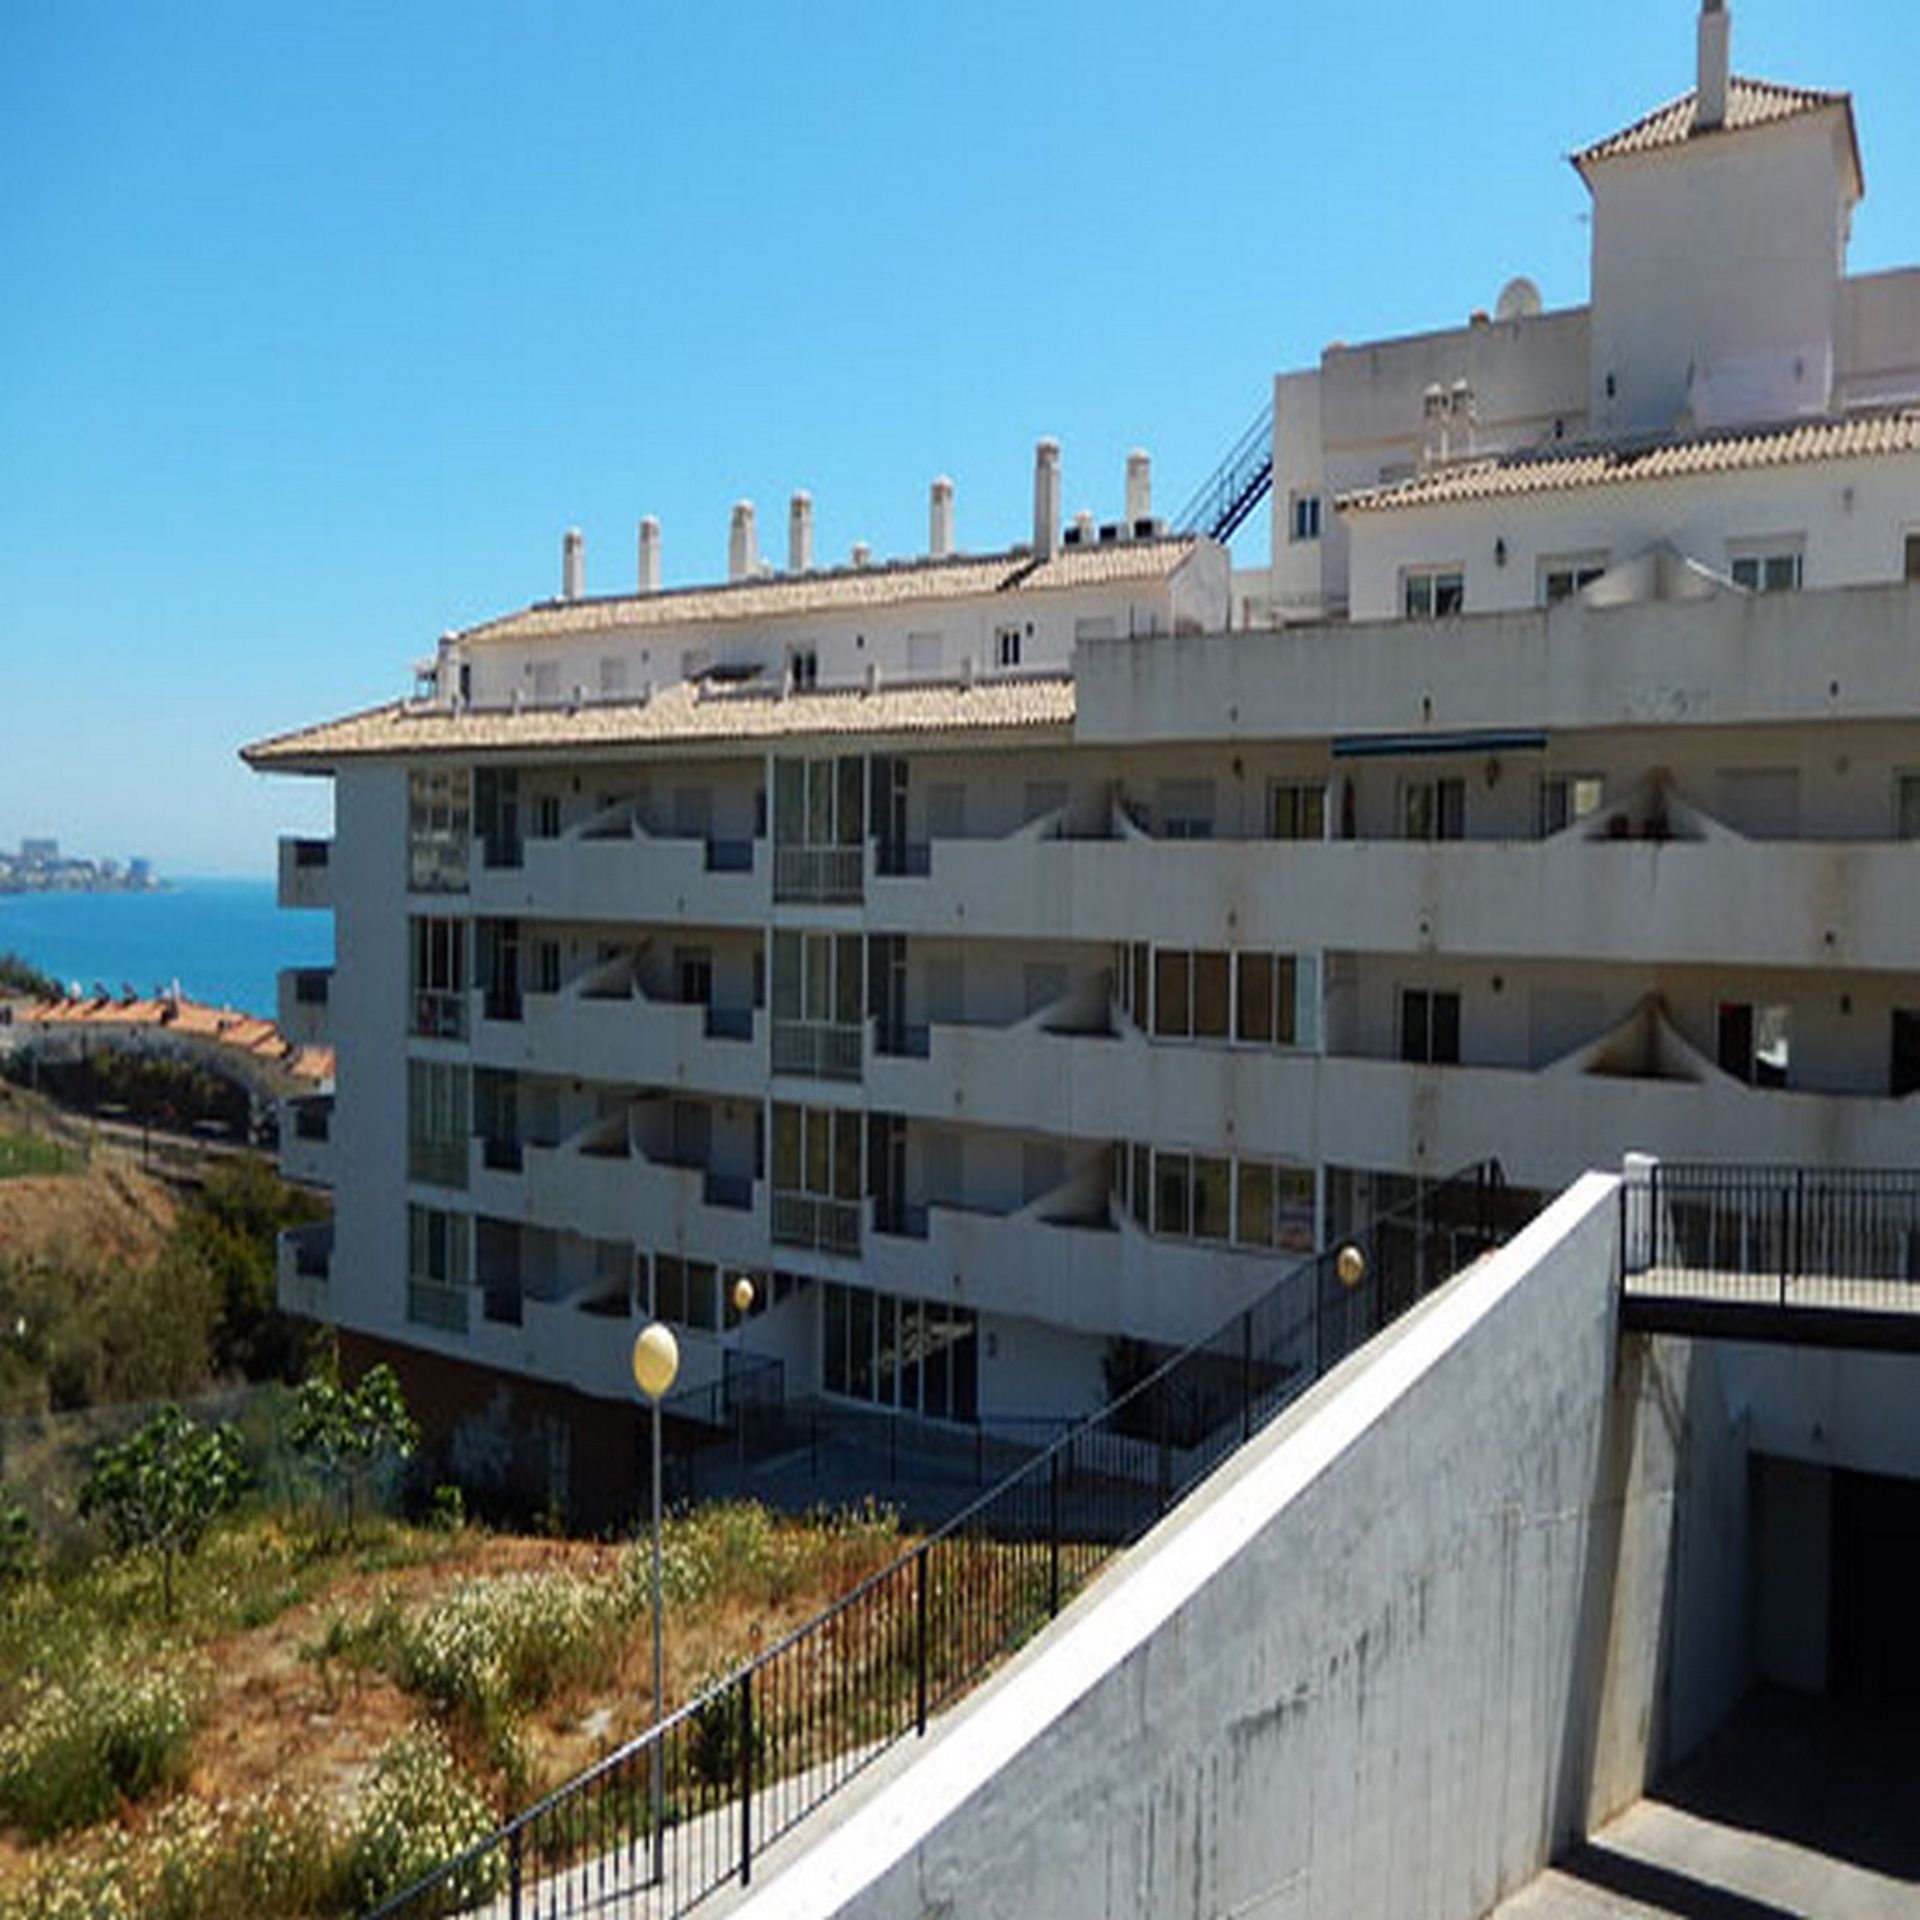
(1768, 1235)
(743, 1764)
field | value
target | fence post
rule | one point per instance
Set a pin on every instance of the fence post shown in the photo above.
(1053, 1532)
(513, 1874)
(746, 1775)
(920, 1641)
(1786, 1230)
(1799, 1224)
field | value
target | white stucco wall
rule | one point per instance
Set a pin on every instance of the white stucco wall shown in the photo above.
(1383, 1665)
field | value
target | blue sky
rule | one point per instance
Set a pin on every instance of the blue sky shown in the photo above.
(320, 324)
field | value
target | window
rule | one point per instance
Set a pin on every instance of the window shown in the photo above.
(1433, 593)
(1755, 1043)
(613, 675)
(1186, 809)
(818, 999)
(1913, 556)
(1303, 517)
(686, 1292)
(439, 978)
(439, 820)
(543, 817)
(1297, 810)
(1433, 809)
(438, 1122)
(816, 1178)
(918, 1354)
(546, 966)
(803, 668)
(1567, 797)
(693, 976)
(439, 1262)
(819, 818)
(1767, 569)
(1906, 805)
(1195, 1196)
(1562, 578)
(1006, 646)
(1264, 999)
(1429, 1027)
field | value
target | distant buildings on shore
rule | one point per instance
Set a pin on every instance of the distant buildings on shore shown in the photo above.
(39, 867)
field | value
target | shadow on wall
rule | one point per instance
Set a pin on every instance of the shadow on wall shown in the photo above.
(1663, 1629)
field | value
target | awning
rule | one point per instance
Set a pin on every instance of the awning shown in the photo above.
(1381, 746)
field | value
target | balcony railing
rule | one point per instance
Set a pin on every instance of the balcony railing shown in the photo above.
(440, 1016)
(436, 1304)
(438, 1163)
(827, 876)
(822, 1225)
(816, 1049)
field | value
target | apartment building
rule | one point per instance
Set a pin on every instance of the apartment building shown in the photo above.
(1006, 958)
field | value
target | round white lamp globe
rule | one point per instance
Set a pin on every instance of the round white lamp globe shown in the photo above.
(656, 1359)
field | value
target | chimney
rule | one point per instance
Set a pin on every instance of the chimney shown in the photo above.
(649, 555)
(1710, 108)
(940, 518)
(1139, 488)
(1046, 499)
(743, 551)
(800, 533)
(1083, 526)
(862, 553)
(573, 565)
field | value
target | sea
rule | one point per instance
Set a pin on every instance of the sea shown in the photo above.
(220, 941)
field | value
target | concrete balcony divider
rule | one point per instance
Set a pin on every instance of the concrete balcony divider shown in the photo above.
(301, 1011)
(306, 1144)
(303, 1269)
(306, 873)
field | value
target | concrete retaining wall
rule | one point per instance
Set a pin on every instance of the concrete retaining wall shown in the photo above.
(1413, 1640)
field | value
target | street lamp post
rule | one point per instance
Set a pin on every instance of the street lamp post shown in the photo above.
(656, 1359)
(741, 1295)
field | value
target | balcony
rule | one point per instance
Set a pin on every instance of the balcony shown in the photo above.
(597, 1185)
(629, 1038)
(306, 1146)
(303, 993)
(306, 873)
(303, 1269)
(817, 1049)
(819, 876)
(817, 1224)
(439, 1305)
(1702, 894)
(620, 874)
(1090, 1274)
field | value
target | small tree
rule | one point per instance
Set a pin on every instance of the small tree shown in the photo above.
(159, 1490)
(345, 1433)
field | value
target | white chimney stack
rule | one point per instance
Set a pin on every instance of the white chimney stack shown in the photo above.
(573, 565)
(1716, 29)
(1083, 526)
(1139, 489)
(940, 518)
(862, 553)
(743, 550)
(649, 555)
(800, 533)
(1046, 499)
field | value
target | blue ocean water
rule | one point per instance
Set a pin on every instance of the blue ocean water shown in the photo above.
(222, 940)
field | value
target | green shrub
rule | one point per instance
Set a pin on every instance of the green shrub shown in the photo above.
(449, 1509)
(495, 1647)
(77, 1746)
(420, 1811)
(18, 1552)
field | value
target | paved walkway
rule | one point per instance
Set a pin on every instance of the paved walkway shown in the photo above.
(1792, 1809)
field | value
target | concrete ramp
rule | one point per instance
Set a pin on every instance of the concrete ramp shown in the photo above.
(1409, 1644)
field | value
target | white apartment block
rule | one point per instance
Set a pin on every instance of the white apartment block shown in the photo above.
(1003, 955)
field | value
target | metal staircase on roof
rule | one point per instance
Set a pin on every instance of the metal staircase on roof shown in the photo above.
(1235, 487)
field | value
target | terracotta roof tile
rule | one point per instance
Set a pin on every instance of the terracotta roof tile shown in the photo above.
(1562, 469)
(1750, 104)
(840, 590)
(684, 713)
